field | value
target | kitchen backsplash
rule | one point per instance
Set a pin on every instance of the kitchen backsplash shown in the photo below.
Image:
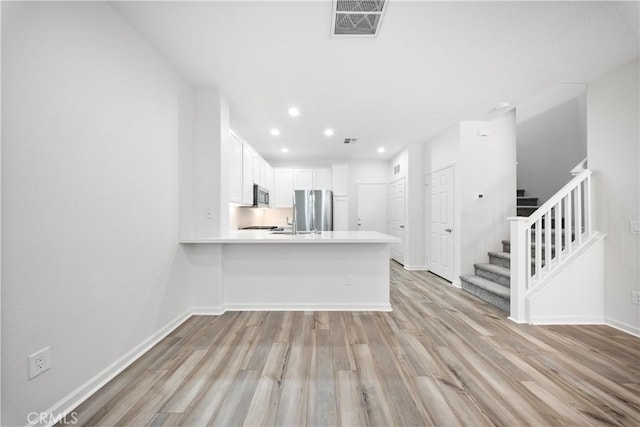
(244, 217)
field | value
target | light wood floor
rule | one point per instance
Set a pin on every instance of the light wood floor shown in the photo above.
(442, 357)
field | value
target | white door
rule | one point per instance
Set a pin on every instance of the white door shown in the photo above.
(372, 207)
(440, 223)
(396, 223)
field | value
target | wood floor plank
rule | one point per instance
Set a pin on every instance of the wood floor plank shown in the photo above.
(441, 357)
(379, 412)
(292, 409)
(144, 410)
(322, 402)
(264, 404)
(350, 400)
(234, 407)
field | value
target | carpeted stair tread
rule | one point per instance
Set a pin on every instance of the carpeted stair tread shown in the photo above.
(496, 269)
(488, 285)
(503, 255)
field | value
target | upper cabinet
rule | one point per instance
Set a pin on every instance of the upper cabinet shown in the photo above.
(235, 169)
(248, 162)
(322, 179)
(282, 194)
(287, 180)
(340, 180)
(303, 179)
(246, 167)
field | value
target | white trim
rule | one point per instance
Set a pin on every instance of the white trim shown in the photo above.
(621, 326)
(567, 320)
(308, 307)
(456, 284)
(416, 267)
(514, 320)
(86, 390)
(208, 311)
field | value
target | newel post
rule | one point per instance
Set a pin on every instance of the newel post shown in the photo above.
(519, 246)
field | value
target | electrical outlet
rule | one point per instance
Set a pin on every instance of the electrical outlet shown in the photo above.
(349, 280)
(635, 297)
(208, 213)
(39, 362)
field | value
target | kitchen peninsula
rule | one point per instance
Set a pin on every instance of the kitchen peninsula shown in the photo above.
(333, 270)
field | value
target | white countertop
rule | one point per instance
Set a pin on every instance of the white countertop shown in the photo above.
(261, 236)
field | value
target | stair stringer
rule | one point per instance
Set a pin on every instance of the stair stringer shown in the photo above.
(574, 292)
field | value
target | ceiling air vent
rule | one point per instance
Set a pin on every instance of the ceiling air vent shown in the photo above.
(357, 17)
(350, 140)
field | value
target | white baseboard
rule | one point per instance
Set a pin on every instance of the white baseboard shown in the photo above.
(415, 267)
(567, 320)
(587, 320)
(308, 307)
(621, 326)
(86, 390)
(207, 311)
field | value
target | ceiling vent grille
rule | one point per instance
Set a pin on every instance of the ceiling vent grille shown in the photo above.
(357, 17)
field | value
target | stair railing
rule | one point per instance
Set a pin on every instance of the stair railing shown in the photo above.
(545, 240)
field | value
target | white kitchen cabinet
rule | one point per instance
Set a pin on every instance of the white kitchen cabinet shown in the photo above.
(282, 192)
(340, 213)
(248, 160)
(322, 179)
(268, 175)
(340, 180)
(287, 180)
(235, 169)
(256, 168)
(303, 179)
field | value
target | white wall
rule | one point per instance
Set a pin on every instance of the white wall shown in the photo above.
(441, 152)
(93, 121)
(552, 138)
(613, 153)
(487, 166)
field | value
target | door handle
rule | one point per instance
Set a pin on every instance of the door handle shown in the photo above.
(402, 226)
(448, 230)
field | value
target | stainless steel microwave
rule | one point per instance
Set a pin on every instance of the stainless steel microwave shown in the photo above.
(260, 197)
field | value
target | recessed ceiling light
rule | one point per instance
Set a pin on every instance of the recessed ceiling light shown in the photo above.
(294, 112)
(328, 132)
(274, 132)
(381, 150)
(284, 149)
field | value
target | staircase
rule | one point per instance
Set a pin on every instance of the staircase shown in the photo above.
(491, 282)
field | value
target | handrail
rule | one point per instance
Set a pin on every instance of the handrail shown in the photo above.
(545, 240)
(579, 167)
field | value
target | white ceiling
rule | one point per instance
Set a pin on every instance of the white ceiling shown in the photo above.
(432, 65)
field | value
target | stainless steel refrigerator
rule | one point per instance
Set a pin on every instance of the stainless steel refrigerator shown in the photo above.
(313, 210)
